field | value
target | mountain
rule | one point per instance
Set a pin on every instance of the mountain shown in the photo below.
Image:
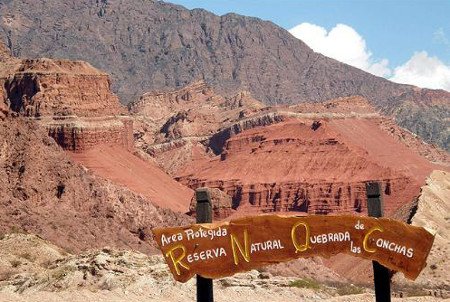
(148, 45)
(114, 199)
(309, 157)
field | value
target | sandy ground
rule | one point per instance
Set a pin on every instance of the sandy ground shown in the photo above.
(229, 294)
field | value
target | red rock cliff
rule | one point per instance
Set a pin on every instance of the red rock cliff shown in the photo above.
(71, 99)
(45, 87)
(309, 166)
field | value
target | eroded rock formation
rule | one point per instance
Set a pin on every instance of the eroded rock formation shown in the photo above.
(45, 87)
(155, 45)
(181, 122)
(310, 157)
(71, 99)
(73, 102)
(79, 134)
(313, 166)
(44, 192)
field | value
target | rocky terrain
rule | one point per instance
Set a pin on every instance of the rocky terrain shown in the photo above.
(44, 192)
(173, 126)
(309, 157)
(73, 102)
(34, 270)
(152, 45)
(289, 166)
(78, 201)
(433, 213)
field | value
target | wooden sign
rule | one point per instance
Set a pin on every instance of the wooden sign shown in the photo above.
(222, 249)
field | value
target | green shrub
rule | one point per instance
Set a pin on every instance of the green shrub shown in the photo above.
(305, 283)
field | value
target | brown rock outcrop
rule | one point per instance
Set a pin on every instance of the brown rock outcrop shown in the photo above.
(79, 134)
(45, 87)
(182, 121)
(431, 213)
(42, 191)
(312, 166)
(71, 99)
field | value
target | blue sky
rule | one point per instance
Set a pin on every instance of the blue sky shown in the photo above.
(401, 36)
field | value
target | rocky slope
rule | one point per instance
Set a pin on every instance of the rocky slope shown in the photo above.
(174, 126)
(152, 45)
(32, 270)
(73, 101)
(432, 212)
(141, 176)
(309, 157)
(43, 191)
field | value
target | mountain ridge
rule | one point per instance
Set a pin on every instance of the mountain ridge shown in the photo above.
(153, 45)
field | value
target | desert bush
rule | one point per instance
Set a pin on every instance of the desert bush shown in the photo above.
(305, 283)
(350, 289)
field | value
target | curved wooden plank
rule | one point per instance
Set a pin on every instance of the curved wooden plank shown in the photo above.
(222, 249)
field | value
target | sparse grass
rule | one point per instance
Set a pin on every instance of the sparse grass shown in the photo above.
(305, 283)
(349, 289)
(416, 292)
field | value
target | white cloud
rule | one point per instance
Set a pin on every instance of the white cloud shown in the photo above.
(345, 44)
(423, 71)
(342, 43)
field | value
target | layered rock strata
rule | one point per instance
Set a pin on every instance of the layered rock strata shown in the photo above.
(313, 166)
(181, 122)
(71, 99)
(44, 87)
(73, 102)
(79, 134)
(45, 192)
(156, 45)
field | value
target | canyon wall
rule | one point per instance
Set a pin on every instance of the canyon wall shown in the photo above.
(79, 134)
(312, 166)
(71, 99)
(176, 126)
(155, 45)
(44, 87)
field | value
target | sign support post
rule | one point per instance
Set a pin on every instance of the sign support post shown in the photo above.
(381, 275)
(204, 215)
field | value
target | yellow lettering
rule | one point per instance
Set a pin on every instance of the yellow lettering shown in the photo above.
(300, 247)
(235, 243)
(177, 261)
(366, 238)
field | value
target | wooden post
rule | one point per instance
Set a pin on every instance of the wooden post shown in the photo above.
(381, 275)
(204, 215)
